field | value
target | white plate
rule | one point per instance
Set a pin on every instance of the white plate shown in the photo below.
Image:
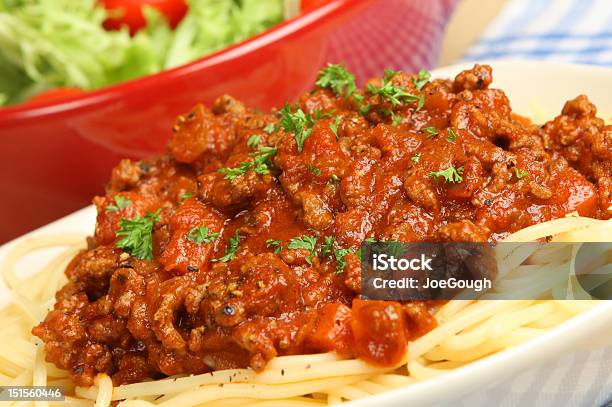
(580, 370)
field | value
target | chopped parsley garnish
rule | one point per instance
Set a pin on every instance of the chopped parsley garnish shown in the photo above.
(389, 74)
(340, 262)
(270, 243)
(395, 248)
(297, 123)
(270, 128)
(327, 246)
(273, 242)
(390, 92)
(334, 126)
(386, 112)
(120, 203)
(232, 248)
(370, 240)
(421, 80)
(451, 136)
(306, 243)
(421, 102)
(259, 164)
(314, 170)
(318, 114)
(450, 174)
(338, 79)
(430, 131)
(185, 196)
(520, 174)
(364, 110)
(136, 235)
(254, 141)
(396, 119)
(415, 158)
(201, 234)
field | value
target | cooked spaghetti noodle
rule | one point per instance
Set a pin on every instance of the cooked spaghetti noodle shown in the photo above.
(466, 332)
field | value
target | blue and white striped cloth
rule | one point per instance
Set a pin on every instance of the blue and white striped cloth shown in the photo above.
(577, 31)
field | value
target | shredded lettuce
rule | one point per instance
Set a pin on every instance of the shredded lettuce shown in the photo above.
(215, 24)
(56, 43)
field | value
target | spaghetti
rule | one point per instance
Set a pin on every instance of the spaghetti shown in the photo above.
(466, 331)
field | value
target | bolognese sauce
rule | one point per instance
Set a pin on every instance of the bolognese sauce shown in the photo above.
(241, 242)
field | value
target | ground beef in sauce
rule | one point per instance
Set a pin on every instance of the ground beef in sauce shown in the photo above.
(365, 170)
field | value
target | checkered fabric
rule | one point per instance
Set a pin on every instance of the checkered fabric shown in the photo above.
(395, 34)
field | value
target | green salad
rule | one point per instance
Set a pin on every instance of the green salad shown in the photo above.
(46, 44)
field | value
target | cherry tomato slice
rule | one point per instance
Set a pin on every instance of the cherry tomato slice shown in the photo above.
(130, 12)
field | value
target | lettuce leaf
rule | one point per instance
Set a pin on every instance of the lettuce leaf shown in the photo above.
(212, 25)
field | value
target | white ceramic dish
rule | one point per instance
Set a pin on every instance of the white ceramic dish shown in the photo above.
(534, 88)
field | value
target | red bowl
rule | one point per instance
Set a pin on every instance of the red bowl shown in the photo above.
(56, 156)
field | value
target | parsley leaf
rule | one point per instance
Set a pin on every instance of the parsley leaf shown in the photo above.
(185, 196)
(390, 92)
(334, 126)
(306, 243)
(415, 158)
(421, 102)
(297, 123)
(421, 80)
(338, 79)
(314, 170)
(451, 136)
(340, 254)
(520, 174)
(430, 131)
(318, 114)
(120, 203)
(201, 234)
(327, 246)
(364, 110)
(232, 248)
(386, 112)
(450, 174)
(389, 74)
(136, 235)
(395, 248)
(254, 141)
(270, 128)
(270, 243)
(396, 119)
(260, 164)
